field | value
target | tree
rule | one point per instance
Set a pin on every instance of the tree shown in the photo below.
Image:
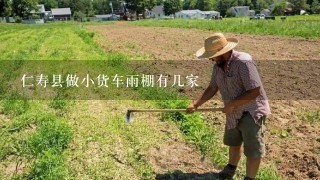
(2, 6)
(88, 8)
(23, 7)
(140, 5)
(171, 6)
(299, 5)
(278, 10)
(315, 8)
(101, 6)
(48, 4)
(186, 4)
(224, 5)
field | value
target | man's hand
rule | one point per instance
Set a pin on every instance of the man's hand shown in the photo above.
(229, 108)
(191, 108)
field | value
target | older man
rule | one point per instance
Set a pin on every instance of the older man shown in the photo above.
(245, 102)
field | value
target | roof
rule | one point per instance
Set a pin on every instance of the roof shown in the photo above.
(104, 16)
(61, 11)
(210, 12)
(40, 9)
(241, 7)
(190, 11)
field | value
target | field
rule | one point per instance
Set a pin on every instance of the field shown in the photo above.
(293, 26)
(89, 139)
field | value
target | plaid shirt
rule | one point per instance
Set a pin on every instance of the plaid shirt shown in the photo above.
(241, 76)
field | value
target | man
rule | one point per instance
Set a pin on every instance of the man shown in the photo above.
(245, 102)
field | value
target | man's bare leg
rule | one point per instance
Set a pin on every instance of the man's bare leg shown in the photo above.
(234, 155)
(252, 167)
(230, 169)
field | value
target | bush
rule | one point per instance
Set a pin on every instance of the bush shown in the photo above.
(78, 16)
(18, 19)
(229, 13)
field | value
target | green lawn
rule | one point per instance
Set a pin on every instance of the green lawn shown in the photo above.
(294, 26)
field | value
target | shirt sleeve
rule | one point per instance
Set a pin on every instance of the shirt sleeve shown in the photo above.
(213, 82)
(249, 75)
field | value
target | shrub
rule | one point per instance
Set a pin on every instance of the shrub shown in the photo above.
(18, 19)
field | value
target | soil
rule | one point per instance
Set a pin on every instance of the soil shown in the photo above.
(296, 152)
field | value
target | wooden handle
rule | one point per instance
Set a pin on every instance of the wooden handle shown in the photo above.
(174, 110)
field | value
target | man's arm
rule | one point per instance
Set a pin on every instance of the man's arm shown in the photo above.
(251, 81)
(207, 94)
(244, 99)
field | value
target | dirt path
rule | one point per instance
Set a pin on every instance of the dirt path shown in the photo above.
(297, 155)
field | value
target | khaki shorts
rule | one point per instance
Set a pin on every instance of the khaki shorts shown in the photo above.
(250, 134)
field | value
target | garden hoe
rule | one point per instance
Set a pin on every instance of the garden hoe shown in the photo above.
(129, 117)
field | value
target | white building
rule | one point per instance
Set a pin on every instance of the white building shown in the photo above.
(196, 14)
(189, 14)
(157, 12)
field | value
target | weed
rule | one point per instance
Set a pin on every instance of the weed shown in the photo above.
(312, 116)
(16, 105)
(48, 166)
(54, 134)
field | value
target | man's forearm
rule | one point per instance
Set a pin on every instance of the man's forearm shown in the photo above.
(207, 94)
(247, 97)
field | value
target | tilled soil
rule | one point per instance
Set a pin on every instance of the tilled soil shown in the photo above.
(292, 144)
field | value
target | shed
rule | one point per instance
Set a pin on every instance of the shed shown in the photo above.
(61, 13)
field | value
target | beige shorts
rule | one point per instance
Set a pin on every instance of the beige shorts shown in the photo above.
(250, 134)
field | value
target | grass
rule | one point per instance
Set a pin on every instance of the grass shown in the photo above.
(294, 26)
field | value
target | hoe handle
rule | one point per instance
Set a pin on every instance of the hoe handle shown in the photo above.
(173, 110)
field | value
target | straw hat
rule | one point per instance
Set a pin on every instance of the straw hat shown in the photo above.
(216, 45)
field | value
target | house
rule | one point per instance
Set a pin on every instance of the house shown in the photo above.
(3, 19)
(189, 14)
(41, 11)
(61, 14)
(240, 11)
(252, 12)
(157, 12)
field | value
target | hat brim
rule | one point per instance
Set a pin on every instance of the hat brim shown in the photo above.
(202, 53)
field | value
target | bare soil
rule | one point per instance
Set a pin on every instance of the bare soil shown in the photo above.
(296, 153)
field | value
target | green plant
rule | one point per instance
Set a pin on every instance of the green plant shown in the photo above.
(312, 116)
(18, 19)
(49, 166)
(15, 105)
(54, 134)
